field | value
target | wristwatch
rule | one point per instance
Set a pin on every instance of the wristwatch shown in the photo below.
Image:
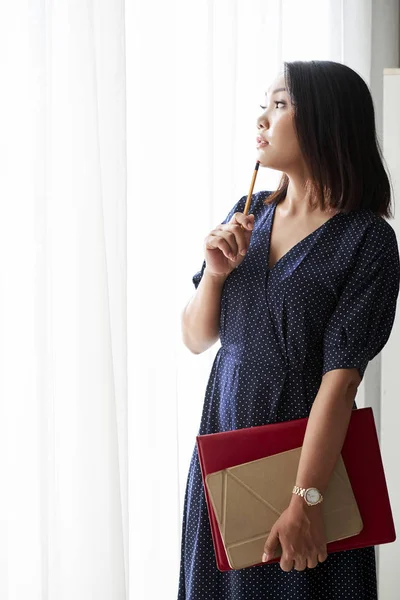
(311, 495)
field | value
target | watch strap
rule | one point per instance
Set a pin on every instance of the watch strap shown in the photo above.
(299, 490)
(302, 491)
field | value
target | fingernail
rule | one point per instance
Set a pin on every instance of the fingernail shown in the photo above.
(243, 251)
(264, 557)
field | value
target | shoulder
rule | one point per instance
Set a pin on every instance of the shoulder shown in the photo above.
(377, 231)
(366, 228)
(372, 237)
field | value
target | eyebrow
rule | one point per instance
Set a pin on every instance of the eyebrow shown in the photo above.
(277, 90)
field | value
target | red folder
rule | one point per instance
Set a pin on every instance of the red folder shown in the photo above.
(361, 455)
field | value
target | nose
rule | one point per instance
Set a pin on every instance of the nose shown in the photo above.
(262, 122)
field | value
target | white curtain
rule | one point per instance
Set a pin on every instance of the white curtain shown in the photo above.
(62, 301)
(126, 134)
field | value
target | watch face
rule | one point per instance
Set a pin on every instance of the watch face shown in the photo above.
(312, 495)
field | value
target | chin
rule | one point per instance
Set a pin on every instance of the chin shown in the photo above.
(264, 162)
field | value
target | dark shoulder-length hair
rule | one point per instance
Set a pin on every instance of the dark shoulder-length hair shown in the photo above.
(335, 124)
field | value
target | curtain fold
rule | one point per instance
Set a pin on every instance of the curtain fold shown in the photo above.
(63, 302)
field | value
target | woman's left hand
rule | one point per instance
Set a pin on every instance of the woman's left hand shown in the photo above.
(300, 530)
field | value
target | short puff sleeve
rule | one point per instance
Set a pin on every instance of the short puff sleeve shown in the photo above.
(362, 321)
(238, 207)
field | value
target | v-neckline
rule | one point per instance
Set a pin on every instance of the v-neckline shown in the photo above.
(306, 238)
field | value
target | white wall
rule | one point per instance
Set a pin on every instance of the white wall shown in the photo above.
(389, 571)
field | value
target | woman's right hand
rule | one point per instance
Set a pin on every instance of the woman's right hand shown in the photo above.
(227, 238)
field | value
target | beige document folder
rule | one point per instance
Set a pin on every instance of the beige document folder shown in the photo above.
(247, 499)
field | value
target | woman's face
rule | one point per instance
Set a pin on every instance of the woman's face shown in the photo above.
(276, 125)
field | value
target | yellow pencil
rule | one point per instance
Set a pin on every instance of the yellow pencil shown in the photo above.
(253, 180)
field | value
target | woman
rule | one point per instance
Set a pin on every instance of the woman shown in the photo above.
(299, 316)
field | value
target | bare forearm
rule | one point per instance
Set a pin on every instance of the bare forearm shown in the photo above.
(201, 316)
(325, 434)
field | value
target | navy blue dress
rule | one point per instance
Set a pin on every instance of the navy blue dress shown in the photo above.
(328, 303)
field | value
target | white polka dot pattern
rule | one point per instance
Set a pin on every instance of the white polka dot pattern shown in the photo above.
(328, 303)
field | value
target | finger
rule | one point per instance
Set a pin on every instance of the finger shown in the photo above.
(242, 236)
(224, 241)
(236, 239)
(231, 239)
(312, 562)
(245, 221)
(322, 556)
(300, 564)
(242, 219)
(286, 563)
(270, 545)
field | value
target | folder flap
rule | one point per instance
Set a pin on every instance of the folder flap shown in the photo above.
(248, 498)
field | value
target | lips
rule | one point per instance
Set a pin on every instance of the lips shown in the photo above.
(261, 140)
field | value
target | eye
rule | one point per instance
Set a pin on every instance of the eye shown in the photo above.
(275, 102)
